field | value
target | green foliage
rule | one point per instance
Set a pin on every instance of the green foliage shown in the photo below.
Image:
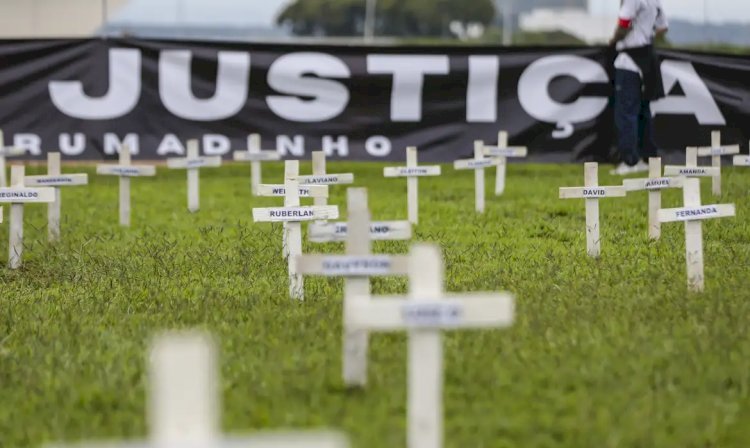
(604, 353)
(400, 18)
(554, 38)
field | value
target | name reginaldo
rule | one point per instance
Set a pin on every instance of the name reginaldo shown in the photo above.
(19, 194)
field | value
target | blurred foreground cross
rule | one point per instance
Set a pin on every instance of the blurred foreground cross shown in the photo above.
(425, 314)
(184, 404)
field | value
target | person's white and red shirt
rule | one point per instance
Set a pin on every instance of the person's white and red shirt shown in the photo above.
(643, 18)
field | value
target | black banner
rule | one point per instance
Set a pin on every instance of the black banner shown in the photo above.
(86, 97)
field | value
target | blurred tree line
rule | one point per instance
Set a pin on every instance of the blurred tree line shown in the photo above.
(394, 18)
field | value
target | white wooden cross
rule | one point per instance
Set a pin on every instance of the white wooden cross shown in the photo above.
(691, 168)
(356, 266)
(654, 183)
(502, 152)
(184, 404)
(715, 151)
(321, 177)
(125, 170)
(17, 195)
(742, 160)
(412, 171)
(192, 163)
(425, 313)
(692, 214)
(292, 214)
(56, 180)
(592, 192)
(256, 157)
(6, 152)
(478, 164)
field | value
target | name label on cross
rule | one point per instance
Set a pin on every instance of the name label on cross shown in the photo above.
(431, 314)
(55, 181)
(356, 266)
(326, 179)
(25, 195)
(295, 214)
(691, 171)
(128, 171)
(405, 171)
(594, 193)
(697, 213)
(658, 184)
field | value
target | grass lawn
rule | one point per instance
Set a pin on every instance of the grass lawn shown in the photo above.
(607, 353)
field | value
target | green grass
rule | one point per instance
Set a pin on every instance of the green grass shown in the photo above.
(607, 353)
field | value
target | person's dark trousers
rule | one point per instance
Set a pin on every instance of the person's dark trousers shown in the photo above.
(635, 136)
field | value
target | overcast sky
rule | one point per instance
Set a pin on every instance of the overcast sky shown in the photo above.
(263, 12)
(717, 10)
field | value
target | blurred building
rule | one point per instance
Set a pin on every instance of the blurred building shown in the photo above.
(53, 18)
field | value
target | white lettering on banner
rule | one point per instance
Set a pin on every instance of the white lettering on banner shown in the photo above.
(123, 95)
(170, 145)
(408, 78)
(535, 98)
(481, 94)
(294, 146)
(176, 92)
(702, 211)
(594, 193)
(340, 146)
(378, 146)
(431, 314)
(112, 143)
(29, 143)
(290, 75)
(74, 147)
(696, 101)
(216, 145)
(313, 99)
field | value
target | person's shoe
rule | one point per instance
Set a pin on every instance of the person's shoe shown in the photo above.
(640, 167)
(623, 169)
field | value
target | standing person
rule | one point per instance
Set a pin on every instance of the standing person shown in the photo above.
(637, 81)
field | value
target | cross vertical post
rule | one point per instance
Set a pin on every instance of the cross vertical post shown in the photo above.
(15, 248)
(193, 178)
(592, 192)
(593, 238)
(124, 187)
(653, 184)
(425, 348)
(53, 208)
(478, 164)
(412, 186)
(716, 163)
(654, 199)
(18, 195)
(412, 171)
(293, 230)
(692, 214)
(183, 391)
(502, 143)
(56, 180)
